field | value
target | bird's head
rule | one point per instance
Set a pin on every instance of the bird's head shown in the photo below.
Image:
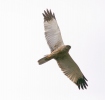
(67, 47)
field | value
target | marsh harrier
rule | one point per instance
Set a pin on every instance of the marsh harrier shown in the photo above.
(59, 51)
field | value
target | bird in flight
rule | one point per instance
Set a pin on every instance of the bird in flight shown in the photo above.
(60, 51)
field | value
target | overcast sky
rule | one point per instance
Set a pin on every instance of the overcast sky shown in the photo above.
(22, 43)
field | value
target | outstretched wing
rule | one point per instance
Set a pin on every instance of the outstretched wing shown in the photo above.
(52, 32)
(72, 71)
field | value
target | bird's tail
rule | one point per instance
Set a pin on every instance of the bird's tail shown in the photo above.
(43, 60)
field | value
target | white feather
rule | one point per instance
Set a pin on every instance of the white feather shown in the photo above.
(53, 34)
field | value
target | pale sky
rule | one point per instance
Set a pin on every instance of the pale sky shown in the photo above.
(22, 43)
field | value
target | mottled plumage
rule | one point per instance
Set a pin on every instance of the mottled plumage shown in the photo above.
(59, 51)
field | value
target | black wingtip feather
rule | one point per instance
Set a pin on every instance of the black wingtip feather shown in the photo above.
(48, 15)
(81, 83)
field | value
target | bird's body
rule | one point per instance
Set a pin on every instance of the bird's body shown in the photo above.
(59, 51)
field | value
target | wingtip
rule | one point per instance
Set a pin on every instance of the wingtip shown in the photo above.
(81, 83)
(48, 15)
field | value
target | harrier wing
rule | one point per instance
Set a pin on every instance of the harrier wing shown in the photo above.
(52, 31)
